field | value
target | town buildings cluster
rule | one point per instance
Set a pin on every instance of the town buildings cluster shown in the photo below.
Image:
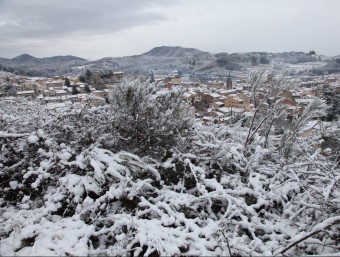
(217, 101)
(213, 101)
(57, 91)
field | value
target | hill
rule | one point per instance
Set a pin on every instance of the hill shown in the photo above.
(24, 58)
(172, 51)
(29, 65)
(205, 65)
(166, 59)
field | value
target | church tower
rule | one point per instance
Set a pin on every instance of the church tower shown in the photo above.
(229, 83)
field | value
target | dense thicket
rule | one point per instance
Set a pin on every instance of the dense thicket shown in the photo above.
(139, 177)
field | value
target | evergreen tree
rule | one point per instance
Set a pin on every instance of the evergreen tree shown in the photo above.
(87, 88)
(82, 78)
(333, 101)
(152, 77)
(337, 61)
(88, 76)
(67, 82)
(74, 90)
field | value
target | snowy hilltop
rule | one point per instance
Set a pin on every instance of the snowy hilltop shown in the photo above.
(141, 177)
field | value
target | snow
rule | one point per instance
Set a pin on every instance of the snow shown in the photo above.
(67, 236)
(33, 139)
(5, 134)
(13, 184)
(74, 184)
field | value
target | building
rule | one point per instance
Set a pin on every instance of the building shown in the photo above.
(26, 93)
(210, 97)
(54, 83)
(117, 77)
(229, 83)
(336, 88)
(216, 84)
(230, 112)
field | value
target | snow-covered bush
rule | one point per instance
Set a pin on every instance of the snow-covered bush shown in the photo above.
(70, 186)
(154, 118)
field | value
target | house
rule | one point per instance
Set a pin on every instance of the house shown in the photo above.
(287, 98)
(99, 93)
(329, 81)
(117, 77)
(58, 106)
(226, 92)
(301, 104)
(61, 92)
(247, 105)
(91, 100)
(207, 119)
(288, 101)
(307, 92)
(229, 111)
(19, 87)
(336, 88)
(216, 84)
(26, 93)
(176, 80)
(286, 94)
(233, 101)
(172, 80)
(54, 83)
(40, 81)
(216, 105)
(30, 85)
(189, 97)
(52, 99)
(210, 97)
(296, 94)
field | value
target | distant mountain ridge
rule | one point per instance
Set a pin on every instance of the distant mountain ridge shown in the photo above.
(27, 57)
(166, 59)
(204, 65)
(26, 64)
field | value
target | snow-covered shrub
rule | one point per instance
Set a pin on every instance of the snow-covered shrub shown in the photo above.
(151, 118)
(70, 186)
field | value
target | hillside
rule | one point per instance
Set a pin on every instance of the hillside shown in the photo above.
(166, 59)
(204, 65)
(26, 64)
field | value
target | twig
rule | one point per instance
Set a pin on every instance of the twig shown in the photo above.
(317, 229)
(227, 242)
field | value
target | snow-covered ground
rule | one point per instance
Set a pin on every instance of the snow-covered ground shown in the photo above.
(91, 182)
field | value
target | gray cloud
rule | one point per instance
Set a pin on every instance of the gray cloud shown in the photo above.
(123, 27)
(40, 19)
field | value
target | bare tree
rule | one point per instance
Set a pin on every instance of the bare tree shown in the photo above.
(268, 105)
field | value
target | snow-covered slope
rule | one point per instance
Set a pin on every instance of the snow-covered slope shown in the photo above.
(166, 59)
(133, 178)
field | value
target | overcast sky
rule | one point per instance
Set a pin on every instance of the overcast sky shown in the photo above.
(93, 29)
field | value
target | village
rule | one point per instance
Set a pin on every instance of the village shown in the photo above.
(215, 101)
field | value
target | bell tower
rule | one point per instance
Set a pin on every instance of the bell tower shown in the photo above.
(229, 83)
